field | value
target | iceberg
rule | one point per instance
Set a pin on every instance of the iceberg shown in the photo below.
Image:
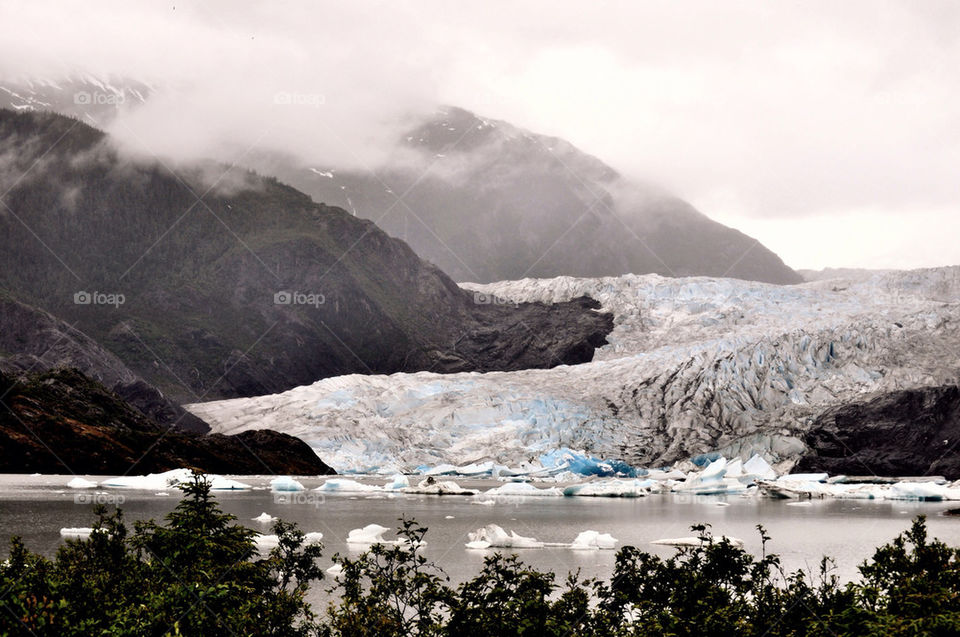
(760, 468)
(927, 491)
(577, 462)
(345, 485)
(493, 536)
(397, 482)
(370, 534)
(696, 541)
(438, 487)
(590, 540)
(80, 533)
(523, 489)
(264, 518)
(312, 537)
(611, 489)
(168, 479)
(81, 483)
(151, 482)
(284, 484)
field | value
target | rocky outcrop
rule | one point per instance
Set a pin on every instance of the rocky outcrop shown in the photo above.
(32, 341)
(62, 422)
(904, 433)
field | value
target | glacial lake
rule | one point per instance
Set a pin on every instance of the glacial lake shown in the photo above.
(37, 507)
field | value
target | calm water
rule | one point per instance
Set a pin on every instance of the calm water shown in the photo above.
(848, 530)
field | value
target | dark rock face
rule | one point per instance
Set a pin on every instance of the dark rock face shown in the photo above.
(62, 422)
(249, 289)
(905, 433)
(32, 340)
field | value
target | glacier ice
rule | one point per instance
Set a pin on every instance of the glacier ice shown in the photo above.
(695, 368)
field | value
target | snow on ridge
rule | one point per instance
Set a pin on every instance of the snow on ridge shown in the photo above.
(693, 365)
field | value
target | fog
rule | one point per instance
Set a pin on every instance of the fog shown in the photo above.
(827, 130)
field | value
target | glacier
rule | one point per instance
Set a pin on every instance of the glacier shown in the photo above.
(695, 369)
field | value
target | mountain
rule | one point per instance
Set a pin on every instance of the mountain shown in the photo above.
(482, 199)
(693, 366)
(213, 282)
(62, 422)
(487, 201)
(32, 340)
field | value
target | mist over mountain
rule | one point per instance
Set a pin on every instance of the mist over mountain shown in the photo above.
(482, 199)
(210, 281)
(487, 201)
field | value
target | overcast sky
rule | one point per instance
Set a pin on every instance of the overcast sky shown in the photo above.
(828, 130)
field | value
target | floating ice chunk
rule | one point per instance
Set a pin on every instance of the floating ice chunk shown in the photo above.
(441, 470)
(803, 477)
(757, 466)
(448, 517)
(397, 482)
(734, 468)
(696, 541)
(81, 483)
(577, 462)
(493, 536)
(81, 533)
(370, 534)
(335, 570)
(285, 483)
(523, 489)
(264, 518)
(151, 482)
(724, 486)
(312, 537)
(800, 489)
(801, 503)
(482, 502)
(265, 542)
(476, 469)
(345, 485)
(219, 483)
(611, 488)
(439, 487)
(161, 493)
(916, 491)
(588, 540)
(659, 474)
(714, 471)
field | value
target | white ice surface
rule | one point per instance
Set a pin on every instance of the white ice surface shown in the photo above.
(694, 365)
